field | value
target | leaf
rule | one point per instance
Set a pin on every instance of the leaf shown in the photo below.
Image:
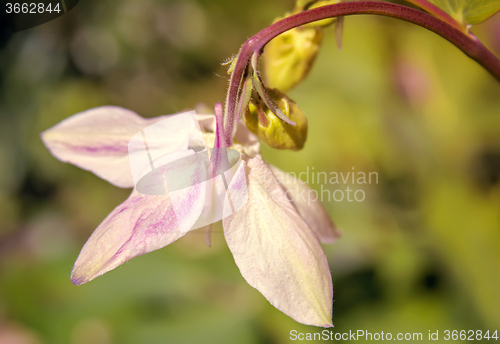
(469, 12)
(477, 11)
(454, 8)
(450, 6)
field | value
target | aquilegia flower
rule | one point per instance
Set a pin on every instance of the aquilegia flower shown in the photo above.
(274, 237)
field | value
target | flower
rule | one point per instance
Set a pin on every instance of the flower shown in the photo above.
(274, 237)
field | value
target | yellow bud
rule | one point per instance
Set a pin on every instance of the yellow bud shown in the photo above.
(324, 22)
(301, 4)
(272, 130)
(288, 58)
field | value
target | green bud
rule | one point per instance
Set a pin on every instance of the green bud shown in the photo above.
(272, 130)
(232, 64)
(288, 58)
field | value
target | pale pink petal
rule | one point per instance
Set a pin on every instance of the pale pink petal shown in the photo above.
(277, 253)
(207, 121)
(243, 135)
(97, 140)
(141, 224)
(309, 206)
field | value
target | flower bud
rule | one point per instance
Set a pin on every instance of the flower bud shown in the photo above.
(271, 129)
(288, 58)
(324, 22)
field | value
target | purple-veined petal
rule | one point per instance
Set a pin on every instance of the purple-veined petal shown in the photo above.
(187, 189)
(141, 224)
(277, 253)
(310, 208)
(97, 140)
(171, 203)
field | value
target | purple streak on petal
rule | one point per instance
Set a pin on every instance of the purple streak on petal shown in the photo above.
(141, 224)
(188, 202)
(97, 140)
(219, 130)
(219, 159)
(98, 149)
(239, 181)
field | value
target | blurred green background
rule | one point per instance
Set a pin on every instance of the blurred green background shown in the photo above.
(420, 253)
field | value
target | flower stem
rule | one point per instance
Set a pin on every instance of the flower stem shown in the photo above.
(468, 43)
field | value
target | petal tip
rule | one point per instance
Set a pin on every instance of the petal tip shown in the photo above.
(78, 277)
(324, 321)
(331, 236)
(329, 324)
(78, 280)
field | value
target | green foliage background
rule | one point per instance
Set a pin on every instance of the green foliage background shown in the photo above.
(421, 253)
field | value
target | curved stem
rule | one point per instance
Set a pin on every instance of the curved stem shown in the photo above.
(438, 13)
(469, 44)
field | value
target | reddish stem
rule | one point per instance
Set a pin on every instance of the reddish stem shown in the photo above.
(469, 44)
